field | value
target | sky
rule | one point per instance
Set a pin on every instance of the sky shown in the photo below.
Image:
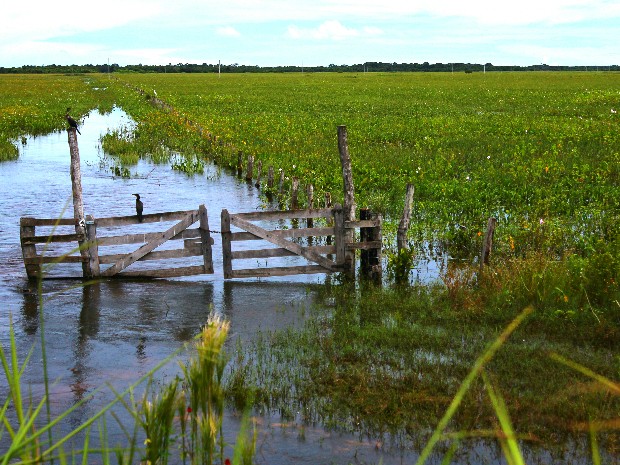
(310, 32)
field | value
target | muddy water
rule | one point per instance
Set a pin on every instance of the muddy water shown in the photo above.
(113, 332)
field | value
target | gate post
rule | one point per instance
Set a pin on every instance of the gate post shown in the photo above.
(205, 239)
(93, 248)
(226, 244)
(29, 251)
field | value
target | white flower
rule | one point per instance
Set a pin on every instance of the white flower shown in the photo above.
(488, 157)
(467, 178)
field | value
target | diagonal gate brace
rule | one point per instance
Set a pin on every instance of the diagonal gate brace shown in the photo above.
(150, 246)
(278, 240)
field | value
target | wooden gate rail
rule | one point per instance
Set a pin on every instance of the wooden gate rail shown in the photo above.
(196, 242)
(316, 254)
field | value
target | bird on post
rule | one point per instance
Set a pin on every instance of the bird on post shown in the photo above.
(139, 207)
(72, 122)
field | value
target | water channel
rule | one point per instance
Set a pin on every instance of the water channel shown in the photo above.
(115, 331)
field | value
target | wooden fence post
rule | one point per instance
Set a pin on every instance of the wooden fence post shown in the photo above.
(310, 196)
(370, 259)
(78, 206)
(249, 174)
(205, 239)
(339, 235)
(294, 192)
(403, 227)
(487, 244)
(330, 221)
(239, 164)
(28, 250)
(259, 169)
(281, 186)
(349, 194)
(93, 247)
(270, 179)
(226, 244)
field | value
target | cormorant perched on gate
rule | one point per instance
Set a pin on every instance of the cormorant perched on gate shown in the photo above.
(139, 207)
(72, 122)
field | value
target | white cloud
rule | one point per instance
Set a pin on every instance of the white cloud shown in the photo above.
(329, 30)
(228, 31)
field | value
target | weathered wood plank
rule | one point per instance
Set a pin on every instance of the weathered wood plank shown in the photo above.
(306, 232)
(149, 218)
(281, 242)
(55, 238)
(149, 246)
(362, 224)
(403, 226)
(37, 259)
(286, 214)
(29, 221)
(155, 255)
(278, 252)
(278, 271)
(163, 273)
(145, 237)
(364, 245)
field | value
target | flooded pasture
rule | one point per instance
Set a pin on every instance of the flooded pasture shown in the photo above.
(113, 332)
(108, 334)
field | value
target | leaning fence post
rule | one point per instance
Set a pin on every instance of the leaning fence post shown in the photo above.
(226, 244)
(78, 206)
(403, 227)
(487, 244)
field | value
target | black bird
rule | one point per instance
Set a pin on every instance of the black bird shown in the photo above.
(139, 207)
(72, 122)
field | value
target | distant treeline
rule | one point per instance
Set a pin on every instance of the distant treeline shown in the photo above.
(236, 68)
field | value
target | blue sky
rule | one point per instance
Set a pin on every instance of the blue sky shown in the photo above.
(310, 32)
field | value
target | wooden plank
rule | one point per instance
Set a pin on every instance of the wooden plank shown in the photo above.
(364, 245)
(339, 237)
(29, 221)
(281, 242)
(286, 214)
(278, 252)
(54, 238)
(155, 255)
(306, 232)
(163, 273)
(148, 247)
(37, 259)
(277, 271)
(149, 218)
(144, 237)
(362, 224)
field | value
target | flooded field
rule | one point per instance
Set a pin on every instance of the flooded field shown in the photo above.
(113, 332)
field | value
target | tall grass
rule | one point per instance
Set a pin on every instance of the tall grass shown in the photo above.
(186, 413)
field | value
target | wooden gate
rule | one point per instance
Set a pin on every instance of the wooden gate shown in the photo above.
(333, 253)
(196, 242)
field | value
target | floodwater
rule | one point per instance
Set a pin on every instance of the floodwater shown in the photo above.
(107, 335)
(113, 332)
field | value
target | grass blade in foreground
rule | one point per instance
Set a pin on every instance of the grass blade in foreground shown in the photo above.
(465, 385)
